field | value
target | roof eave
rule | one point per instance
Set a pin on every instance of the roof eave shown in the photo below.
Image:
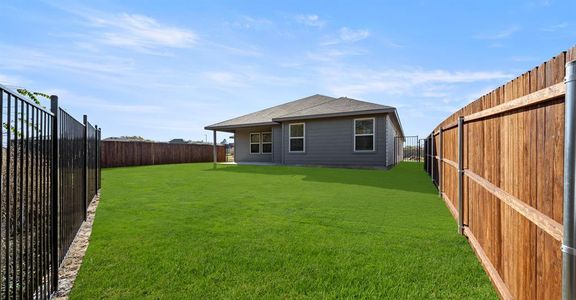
(235, 126)
(332, 115)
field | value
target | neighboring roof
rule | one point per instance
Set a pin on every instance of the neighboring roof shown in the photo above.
(313, 107)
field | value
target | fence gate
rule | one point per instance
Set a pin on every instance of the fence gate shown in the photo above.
(408, 148)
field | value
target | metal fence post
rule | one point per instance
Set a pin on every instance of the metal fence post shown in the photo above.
(568, 242)
(85, 173)
(96, 151)
(55, 184)
(427, 154)
(99, 159)
(461, 175)
(440, 167)
(418, 149)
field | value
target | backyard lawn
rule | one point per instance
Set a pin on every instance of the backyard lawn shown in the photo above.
(191, 231)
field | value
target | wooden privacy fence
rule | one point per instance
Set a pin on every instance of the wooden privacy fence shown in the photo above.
(49, 174)
(123, 154)
(505, 185)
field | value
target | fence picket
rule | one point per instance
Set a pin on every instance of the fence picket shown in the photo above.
(123, 154)
(513, 179)
(37, 221)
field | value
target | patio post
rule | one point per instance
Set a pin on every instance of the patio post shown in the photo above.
(214, 154)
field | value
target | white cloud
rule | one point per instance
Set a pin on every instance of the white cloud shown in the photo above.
(248, 76)
(88, 103)
(247, 22)
(345, 35)
(524, 58)
(499, 35)
(11, 81)
(22, 58)
(350, 81)
(351, 35)
(556, 27)
(227, 78)
(310, 20)
(332, 55)
(138, 31)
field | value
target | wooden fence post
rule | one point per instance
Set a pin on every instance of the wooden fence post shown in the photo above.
(440, 167)
(461, 175)
(432, 158)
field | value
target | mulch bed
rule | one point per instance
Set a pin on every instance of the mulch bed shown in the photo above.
(73, 260)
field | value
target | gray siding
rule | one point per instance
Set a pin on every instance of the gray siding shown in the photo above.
(277, 144)
(331, 142)
(242, 145)
(390, 134)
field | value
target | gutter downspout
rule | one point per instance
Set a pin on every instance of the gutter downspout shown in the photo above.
(569, 242)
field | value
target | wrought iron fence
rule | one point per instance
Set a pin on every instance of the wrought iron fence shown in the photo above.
(46, 155)
(408, 148)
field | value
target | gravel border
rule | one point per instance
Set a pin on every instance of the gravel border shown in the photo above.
(73, 260)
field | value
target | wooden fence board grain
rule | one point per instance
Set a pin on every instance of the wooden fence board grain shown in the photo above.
(124, 154)
(513, 188)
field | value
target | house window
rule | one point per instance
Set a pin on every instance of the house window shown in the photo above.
(266, 142)
(297, 137)
(364, 134)
(254, 143)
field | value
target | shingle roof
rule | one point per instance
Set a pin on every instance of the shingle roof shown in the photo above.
(316, 106)
(338, 107)
(265, 116)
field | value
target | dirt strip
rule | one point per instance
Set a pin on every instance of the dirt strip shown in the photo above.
(73, 260)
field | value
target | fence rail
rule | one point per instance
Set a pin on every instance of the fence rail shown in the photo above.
(124, 154)
(498, 165)
(42, 200)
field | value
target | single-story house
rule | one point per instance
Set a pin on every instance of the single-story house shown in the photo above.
(318, 130)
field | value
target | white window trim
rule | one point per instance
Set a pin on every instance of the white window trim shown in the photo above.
(259, 143)
(303, 137)
(262, 142)
(373, 134)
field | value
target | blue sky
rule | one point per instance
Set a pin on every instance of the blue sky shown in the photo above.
(165, 69)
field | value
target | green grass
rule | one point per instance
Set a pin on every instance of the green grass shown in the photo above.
(188, 231)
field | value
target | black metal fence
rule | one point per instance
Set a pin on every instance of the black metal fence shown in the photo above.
(430, 160)
(408, 148)
(46, 155)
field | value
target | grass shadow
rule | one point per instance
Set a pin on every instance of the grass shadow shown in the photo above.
(406, 176)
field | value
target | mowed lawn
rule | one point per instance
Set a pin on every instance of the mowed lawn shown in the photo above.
(191, 232)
